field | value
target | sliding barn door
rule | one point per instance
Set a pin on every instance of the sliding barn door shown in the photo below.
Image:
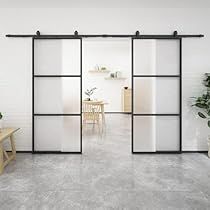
(156, 95)
(57, 95)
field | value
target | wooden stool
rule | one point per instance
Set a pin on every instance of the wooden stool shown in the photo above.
(6, 157)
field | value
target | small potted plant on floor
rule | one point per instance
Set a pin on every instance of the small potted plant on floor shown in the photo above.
(89, 93)
(1, 121)
(203, 104)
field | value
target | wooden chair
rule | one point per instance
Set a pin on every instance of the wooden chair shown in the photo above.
(91, 112)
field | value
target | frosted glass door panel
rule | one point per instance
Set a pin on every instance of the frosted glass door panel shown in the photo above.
(57, 95)
(144, 57)
(144, 95)
(167, 95)
(167, 57)
(167, 133)
(57, 57)
(144, 134)
(156, 95)
(156, 133)
(57, 133)
(156, 57)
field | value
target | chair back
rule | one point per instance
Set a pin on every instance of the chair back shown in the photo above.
(91, 111)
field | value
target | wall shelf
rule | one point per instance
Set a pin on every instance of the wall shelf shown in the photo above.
(115, 78)
(99, 71)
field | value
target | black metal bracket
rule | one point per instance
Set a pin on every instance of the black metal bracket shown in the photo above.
(76, 33)
(137, 33)
(175, 33)
(38, 33)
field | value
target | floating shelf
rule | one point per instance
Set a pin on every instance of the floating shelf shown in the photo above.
(115, 78)
(99, 71)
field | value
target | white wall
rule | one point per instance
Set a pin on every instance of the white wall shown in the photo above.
(15, 55)
(115, 55)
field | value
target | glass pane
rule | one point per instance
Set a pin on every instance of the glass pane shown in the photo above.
(144, 57)
(57, 57)
(156, 133)
(156, 57)
(57, 95)
(144, 134)
(144, 95)
(167, 95)
(156, 95)
(57, 133)
(167, 133)
(167, 57)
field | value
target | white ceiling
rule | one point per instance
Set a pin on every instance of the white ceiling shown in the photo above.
(104, 3)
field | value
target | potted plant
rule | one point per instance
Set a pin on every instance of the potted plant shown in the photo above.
(1, 121)
(89, 93)
(203, 104)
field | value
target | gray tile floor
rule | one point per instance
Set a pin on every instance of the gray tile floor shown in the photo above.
(107, 176)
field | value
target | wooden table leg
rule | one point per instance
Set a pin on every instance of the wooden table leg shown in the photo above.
(1, 159)
(103, 114)
(13, 146)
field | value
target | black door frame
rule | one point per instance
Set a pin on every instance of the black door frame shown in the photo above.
(158, 76)
(49, 114)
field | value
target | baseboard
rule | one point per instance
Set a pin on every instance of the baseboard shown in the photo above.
(157, 152)
(169, 152)
(117, 112)
(24, 151)
(20, 151)
(46, 152)
(56, 152)
(194, 151)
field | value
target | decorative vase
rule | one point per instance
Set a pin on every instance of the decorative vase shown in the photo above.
(209, 146)
(118, 74)
(112, 75)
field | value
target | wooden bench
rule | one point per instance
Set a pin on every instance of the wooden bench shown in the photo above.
(6, 157)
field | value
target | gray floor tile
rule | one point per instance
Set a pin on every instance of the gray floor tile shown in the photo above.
(107, 176)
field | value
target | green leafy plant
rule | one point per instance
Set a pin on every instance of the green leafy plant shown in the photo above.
(203, 102)
(1, 116)
(90, 92)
